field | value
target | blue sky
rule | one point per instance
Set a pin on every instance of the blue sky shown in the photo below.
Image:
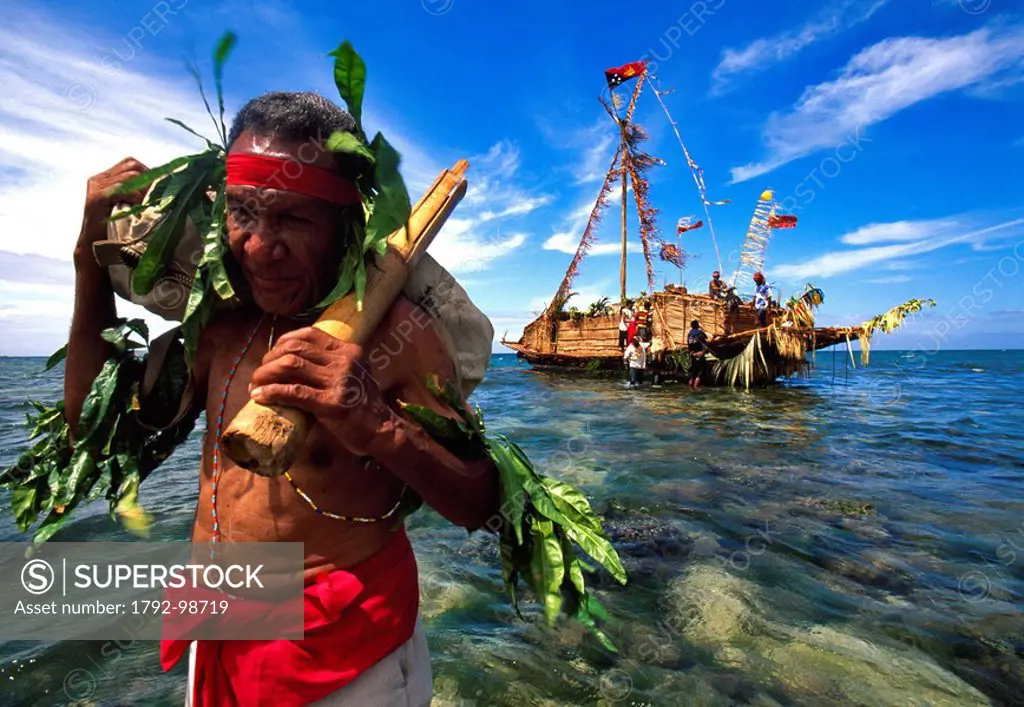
(894, 130)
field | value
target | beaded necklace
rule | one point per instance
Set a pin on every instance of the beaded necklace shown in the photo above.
(217, 454)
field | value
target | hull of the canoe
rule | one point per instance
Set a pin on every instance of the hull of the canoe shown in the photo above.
(751, 358)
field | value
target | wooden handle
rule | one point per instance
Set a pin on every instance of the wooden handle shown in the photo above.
(266, 439)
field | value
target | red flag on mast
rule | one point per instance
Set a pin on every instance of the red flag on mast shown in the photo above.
(621, 74)
(782, 221)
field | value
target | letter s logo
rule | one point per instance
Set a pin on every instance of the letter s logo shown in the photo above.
(37, 577)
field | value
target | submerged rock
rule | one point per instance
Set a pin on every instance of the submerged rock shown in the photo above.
(711, 607)
(837, 668)
(651, 549)
(821, 665)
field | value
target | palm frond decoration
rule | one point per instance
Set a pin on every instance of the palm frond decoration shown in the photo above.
(889, 322)
(800, 308)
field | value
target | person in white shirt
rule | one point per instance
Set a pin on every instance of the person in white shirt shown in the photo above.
(624, 315)
(636, 357)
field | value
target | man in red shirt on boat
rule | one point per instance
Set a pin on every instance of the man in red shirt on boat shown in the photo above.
(364, 644)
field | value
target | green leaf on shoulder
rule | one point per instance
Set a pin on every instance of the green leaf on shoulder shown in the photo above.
(447, 431)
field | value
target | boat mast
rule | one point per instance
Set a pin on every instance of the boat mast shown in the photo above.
(622, 267)
(623, 163)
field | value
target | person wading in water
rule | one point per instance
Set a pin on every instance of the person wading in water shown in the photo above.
(635, 358)
(362, 456)
(697, 345)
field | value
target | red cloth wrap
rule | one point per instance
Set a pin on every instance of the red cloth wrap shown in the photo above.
(631, 331)
(290, 175)
(353, 619)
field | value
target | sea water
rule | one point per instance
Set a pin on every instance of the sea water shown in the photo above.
(856, 537)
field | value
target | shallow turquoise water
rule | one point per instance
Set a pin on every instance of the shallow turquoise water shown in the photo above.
(855, 538)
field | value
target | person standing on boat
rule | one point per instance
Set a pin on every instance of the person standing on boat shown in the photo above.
(625, 316)
(697, 344)
(643, 320)
(716, 288)
(636, 358)
(762, 298)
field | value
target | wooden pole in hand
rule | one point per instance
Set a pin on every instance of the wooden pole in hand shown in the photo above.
(266, 439)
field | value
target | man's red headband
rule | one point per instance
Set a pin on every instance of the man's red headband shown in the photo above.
(291, 175)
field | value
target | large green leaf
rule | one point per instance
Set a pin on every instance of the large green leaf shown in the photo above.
(573, 568)
(23, 501)
(571, 503)
(447, 431)
(214, 249)
(513, 492)
(49, 528)
(82, 469)
(101, 484)
(188, 186)
(143, 180)
(547, 567)
(118, 336)
(197, 312)
(97, 402)
(350, 78)
(346, 279)
(391, 205)
(598, 547)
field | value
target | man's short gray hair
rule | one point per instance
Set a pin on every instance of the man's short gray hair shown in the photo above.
(300, 116)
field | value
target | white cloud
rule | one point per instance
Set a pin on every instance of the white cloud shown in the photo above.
(64, 117)
(879, 82)
(466, 243)
(763, 53)
(843, 261)
(68, 112)
(597, 156)
(572, 225)
(890, 280)
(472, 254)
(899, 231)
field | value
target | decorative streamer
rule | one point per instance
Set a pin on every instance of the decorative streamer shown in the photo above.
(698, 177)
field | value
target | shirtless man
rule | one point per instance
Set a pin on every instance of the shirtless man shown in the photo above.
(361, 455)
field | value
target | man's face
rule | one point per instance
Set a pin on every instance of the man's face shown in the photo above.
(289, 245)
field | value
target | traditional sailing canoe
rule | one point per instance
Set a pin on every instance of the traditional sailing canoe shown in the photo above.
(742, 350)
